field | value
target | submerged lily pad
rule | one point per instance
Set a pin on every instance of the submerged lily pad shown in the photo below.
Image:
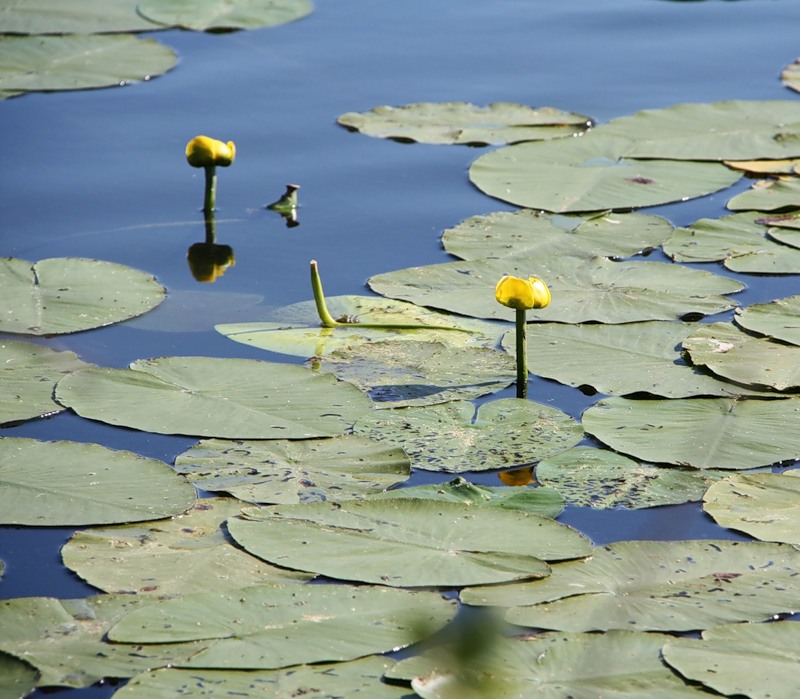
(591, 173)
(69, 483)
(753, 660)
(455, 437)
(84, 17)
(779, 319)
(764, 505)
(80, 61)
(737, 356)
(726, 433)
(583, 290)
(655, 586)
(768, 195)
(408, 542)
(464, 123)
(603, 479)
(28, 376)
(211, 397)
(188, 553)
(274, 626)
(215, 15)
(285, 472)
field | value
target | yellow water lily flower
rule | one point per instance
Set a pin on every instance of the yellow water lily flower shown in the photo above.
(203, 151)
(522, 294)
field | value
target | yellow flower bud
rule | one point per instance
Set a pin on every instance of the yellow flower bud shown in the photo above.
(203, 151)
(522, 294)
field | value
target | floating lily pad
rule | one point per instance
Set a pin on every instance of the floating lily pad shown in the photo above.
(620, 664)
(84, 17)
(348, 679)
(787, 220)
(17, 678)
(764, 505)
(785, 236)
(729, 130)
(65, 639)
(464, 123)
(211, 397)
(80, 61)
(68, 483)
(534, 233)
(454, 437)
(274, 626)
(737, 356)
(621, 359)
(64, 295)
(779, 319)
(582, 290)
(28, 376)
(188, 553)
(604, 479)
(753, 660)
(215, 15)
(655, 586)
(285, 472)
(405, 373)
(768, 195)
(590, 173)
(725, 433)
(765, 167)
(408, 542)
(790, 76)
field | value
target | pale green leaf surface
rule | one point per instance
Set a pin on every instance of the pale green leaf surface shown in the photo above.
(17, 678)
(779, 319)
(785, 236)
(207, 15)
(60, 17)
(768, 195)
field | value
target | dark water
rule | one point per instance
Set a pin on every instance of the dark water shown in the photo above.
(101, 174)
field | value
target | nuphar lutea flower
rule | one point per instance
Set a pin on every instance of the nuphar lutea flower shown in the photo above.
(203, 151)
(522, 294)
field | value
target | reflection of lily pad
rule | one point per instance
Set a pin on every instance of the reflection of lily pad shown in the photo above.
(408, 542)
(464, 123)
(180, 555)
(583, 289)
(454, 437)
(779, 319)
(590, 173)
(699, 432)
(655, 586)
(768, 195)
(282, 471)
(206, 15)
(210, 397)
(764, 505)
(69, 483)
(84, 17)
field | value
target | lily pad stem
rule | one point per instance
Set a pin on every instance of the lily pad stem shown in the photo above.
(210, 200)
(522, 354)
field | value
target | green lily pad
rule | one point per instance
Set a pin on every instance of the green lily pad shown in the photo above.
(768, 195)
(216, 15)
(65, 639)
(80, 61)
(408, 542)
(583, 290)
(534, 233)
(17, 678)
(27, 379)
(59, 17)
(764, 505)
(728, 130)
(211, 397)
(788, 220)
(466, 124)
(655, 586)
(286, 472)
(590, 173)
(790, 76)
(785, 236)
(737, 356)
(405, 373)
(69, 483)
(621, 359)
(355, 678)
(603, 479)
(753, 660)
(455, 437)
(267, 627)
(184, 554)
(726, 433)
(779, 319)
(296, 329)
(619, 664)
(65, 295)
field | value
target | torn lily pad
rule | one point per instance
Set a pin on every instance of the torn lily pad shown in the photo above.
(455, 437)
(298, 471)
(223, 15)
(778, 319)
(466, 124)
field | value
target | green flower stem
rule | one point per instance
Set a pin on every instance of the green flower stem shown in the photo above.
(522, 354)
(319, 298)
(210, 201)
